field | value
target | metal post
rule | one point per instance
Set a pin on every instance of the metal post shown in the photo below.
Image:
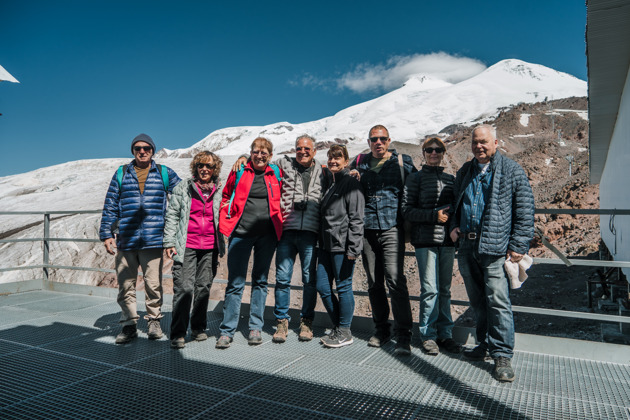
(46, 245)
(570, 159)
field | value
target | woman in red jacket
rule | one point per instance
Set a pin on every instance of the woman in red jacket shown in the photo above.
(250, 216)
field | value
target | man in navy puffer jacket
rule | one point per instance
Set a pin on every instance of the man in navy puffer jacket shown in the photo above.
(494, 220)
(133, 213)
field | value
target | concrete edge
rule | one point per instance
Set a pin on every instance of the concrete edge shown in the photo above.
(22, 286)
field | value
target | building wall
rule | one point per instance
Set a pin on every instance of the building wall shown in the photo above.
(614, 187)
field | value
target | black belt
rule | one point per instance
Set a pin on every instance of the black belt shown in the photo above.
(469, 235)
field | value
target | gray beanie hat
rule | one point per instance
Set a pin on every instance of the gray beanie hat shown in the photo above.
(145, 138)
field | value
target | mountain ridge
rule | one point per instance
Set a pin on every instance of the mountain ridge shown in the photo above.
(411, 111)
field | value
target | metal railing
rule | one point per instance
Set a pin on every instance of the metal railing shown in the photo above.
(46, 266)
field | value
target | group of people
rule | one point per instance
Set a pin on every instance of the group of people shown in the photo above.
(327, 215)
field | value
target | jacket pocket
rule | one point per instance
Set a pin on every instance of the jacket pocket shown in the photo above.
(337, 237)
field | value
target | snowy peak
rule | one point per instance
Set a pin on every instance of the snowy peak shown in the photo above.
(527, 71)
(421, 82)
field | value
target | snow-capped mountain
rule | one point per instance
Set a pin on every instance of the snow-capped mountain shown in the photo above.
(422, 106)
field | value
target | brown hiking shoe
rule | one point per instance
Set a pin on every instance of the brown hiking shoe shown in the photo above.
(380, 338)
(155, 332)
(282, 330)
(128, 333)
(503, 371)
(199, 335)
(431, 347)
(306, 330)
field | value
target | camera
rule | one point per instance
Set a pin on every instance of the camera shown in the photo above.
(300, 205)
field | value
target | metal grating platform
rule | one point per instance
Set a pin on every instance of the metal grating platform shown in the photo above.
(58, 360)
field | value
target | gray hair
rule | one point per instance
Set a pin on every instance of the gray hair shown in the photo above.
(305, 136)
(491, 130)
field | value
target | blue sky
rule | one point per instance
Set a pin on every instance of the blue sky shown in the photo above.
(93, 74)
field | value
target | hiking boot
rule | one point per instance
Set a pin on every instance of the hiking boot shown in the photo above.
(128, 333)
(503, 371)
(155, 332)
(199, 335)
(306, 330)
(254, 338)
(282, 330)
(338, 338)
(430, 347)
(403, 347)
(449, 345)
(477, 353)
(223, 342)
(380, 338)
(178, 343)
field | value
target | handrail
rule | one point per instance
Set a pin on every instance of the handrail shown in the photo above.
(617, 212)
(46, 266)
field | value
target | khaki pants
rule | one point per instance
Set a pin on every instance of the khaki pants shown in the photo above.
(127, 263)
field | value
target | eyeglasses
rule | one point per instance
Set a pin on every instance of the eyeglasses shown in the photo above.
(382, 139)
(430, 150)
(299, 149)
(145, 148)
(260, 152)
(205, 165)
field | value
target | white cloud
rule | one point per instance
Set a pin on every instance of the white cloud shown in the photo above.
(397, 70)
(307, 79)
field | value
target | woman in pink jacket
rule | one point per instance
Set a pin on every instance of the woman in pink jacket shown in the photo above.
(192, 239)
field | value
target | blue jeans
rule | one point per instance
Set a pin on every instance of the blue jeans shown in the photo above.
(435, 265)
(292, 243)
(489, 295)
(330, 267)
(239, 251)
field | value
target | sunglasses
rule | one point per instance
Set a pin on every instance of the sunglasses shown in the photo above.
(306, 149)
(145, 148)
(260, 152)
(205, 165)
(430, 150)
(382, 139)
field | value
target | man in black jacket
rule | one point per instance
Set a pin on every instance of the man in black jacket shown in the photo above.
(382, 172)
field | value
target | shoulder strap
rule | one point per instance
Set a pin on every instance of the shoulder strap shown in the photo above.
(402, 168)
(239, 173)
(120, 174)
(164, 171)
(276, 171)
(122, 170)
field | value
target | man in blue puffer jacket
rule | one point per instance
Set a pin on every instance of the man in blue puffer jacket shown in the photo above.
(133, 213)
(494, 220)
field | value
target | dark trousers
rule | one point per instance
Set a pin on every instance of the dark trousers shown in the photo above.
(383, 254)
(192, 280)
